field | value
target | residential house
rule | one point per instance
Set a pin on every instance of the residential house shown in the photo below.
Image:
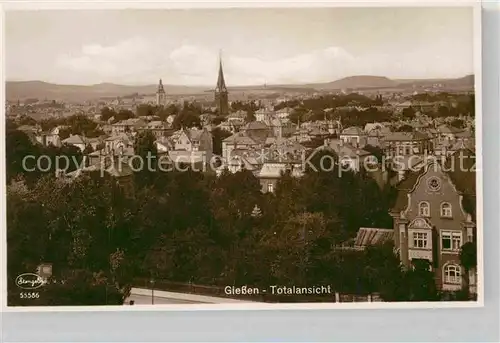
(157, 128)
(448, 134)
(115, 143)
(239, 140)
(50, 138)
(407, 150)
(434, 215)
(193, 139)
(164, 144)
(406, 144)
(129, 125)
(263, 115)
(281, 127)
(76, 140)
(193, 146)
(375, 134)
(207, 118)
(239, 115)
(241, 159)
(231, 126)
(271, 172)
(354, 136)
(350, 157)
(284, 113)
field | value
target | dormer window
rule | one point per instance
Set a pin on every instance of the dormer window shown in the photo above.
(424, 209)
(446, 210)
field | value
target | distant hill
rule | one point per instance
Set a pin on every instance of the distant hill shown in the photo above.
(43, 90)
(356, 82)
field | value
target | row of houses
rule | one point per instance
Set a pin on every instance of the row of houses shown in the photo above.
(434, 212)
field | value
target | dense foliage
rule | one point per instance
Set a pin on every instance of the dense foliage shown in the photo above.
(195, 227)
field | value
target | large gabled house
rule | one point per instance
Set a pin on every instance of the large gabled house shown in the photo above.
(435, 215)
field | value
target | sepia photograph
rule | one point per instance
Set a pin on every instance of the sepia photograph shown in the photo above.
(248, 156)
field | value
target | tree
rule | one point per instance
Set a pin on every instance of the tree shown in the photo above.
(124, 115)
(409, 113)
(468, 259)
(218, 135)
(107, 113)
(404, 128)
(375, 151)
(458, 123)
(250, 117)
(443, 111)
(145, 148)
(144, 110)
(186, 118)
(18, 147)
(383, 269)
(165, 112)
(88, 149)
(420, 281)
(297, 115)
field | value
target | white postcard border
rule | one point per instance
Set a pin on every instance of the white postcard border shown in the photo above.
(91, 4)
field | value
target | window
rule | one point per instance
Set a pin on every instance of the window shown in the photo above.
(270, 187)
(451, 241)
(424, 209)
(420, 240)
(452, 274)
(456, 241)
(446, 210)
(434, 184)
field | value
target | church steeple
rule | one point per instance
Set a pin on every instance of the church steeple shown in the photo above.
(221, 98)
(160, 94)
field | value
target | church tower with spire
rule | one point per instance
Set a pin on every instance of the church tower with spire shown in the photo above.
(160, 95)
(221, 98)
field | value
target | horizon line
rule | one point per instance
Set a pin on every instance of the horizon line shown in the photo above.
(248, 85)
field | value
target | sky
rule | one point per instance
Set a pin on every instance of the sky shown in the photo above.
(257, 46)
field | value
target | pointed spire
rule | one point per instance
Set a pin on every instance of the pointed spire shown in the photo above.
(221, 84)
(160, 87)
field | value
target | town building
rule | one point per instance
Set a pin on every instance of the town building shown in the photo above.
(221, 94)
(354, 136)
(434, 216)
(160, 95)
